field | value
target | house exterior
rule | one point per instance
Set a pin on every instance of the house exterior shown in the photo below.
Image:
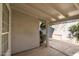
(21, 30)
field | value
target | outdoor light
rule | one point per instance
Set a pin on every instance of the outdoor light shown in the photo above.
(53, 19)
(61, 16)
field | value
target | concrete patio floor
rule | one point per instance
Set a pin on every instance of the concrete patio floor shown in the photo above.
(41, 51)
(64, 47)
(55, 48)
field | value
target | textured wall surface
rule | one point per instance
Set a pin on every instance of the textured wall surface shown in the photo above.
(25, 32)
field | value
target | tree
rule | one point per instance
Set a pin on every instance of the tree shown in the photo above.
(74, 29)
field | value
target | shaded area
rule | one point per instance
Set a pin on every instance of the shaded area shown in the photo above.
(41, 51)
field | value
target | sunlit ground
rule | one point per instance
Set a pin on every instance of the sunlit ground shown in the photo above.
(61, 32)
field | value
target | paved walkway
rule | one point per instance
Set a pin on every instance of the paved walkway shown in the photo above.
(41, 51)
(56, 48)
(64, 47)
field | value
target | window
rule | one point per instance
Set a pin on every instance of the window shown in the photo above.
(5, 29)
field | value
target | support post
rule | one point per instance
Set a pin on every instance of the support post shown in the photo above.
(47, 42)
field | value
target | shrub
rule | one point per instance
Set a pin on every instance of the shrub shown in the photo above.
(74, 29)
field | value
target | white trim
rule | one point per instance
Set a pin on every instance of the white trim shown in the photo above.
(0, 29)
(9, 49)
(4, 33)
(8, 52)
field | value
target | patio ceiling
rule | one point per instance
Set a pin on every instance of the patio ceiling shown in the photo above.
(53, 12)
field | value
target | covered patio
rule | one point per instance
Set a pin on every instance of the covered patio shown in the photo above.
(20, 28)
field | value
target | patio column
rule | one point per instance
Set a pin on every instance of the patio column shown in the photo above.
(47, 42)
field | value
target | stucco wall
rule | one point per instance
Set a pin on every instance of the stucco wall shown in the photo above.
(25, 32)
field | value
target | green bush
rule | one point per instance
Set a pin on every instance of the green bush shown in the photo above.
(74, 29)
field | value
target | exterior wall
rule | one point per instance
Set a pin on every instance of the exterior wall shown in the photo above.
(25, 32)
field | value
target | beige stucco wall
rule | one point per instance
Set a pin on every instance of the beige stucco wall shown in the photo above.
(25, 32)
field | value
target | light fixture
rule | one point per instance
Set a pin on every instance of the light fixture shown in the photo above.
(53, 19)
(61, 16)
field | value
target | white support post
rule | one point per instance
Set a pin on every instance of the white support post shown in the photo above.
(47, 42)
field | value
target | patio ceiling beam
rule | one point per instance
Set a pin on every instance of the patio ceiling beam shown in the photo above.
(58, 10)
(46, 13)
(66, 19)
(24, 12)
(76, 5)
(27, 13)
